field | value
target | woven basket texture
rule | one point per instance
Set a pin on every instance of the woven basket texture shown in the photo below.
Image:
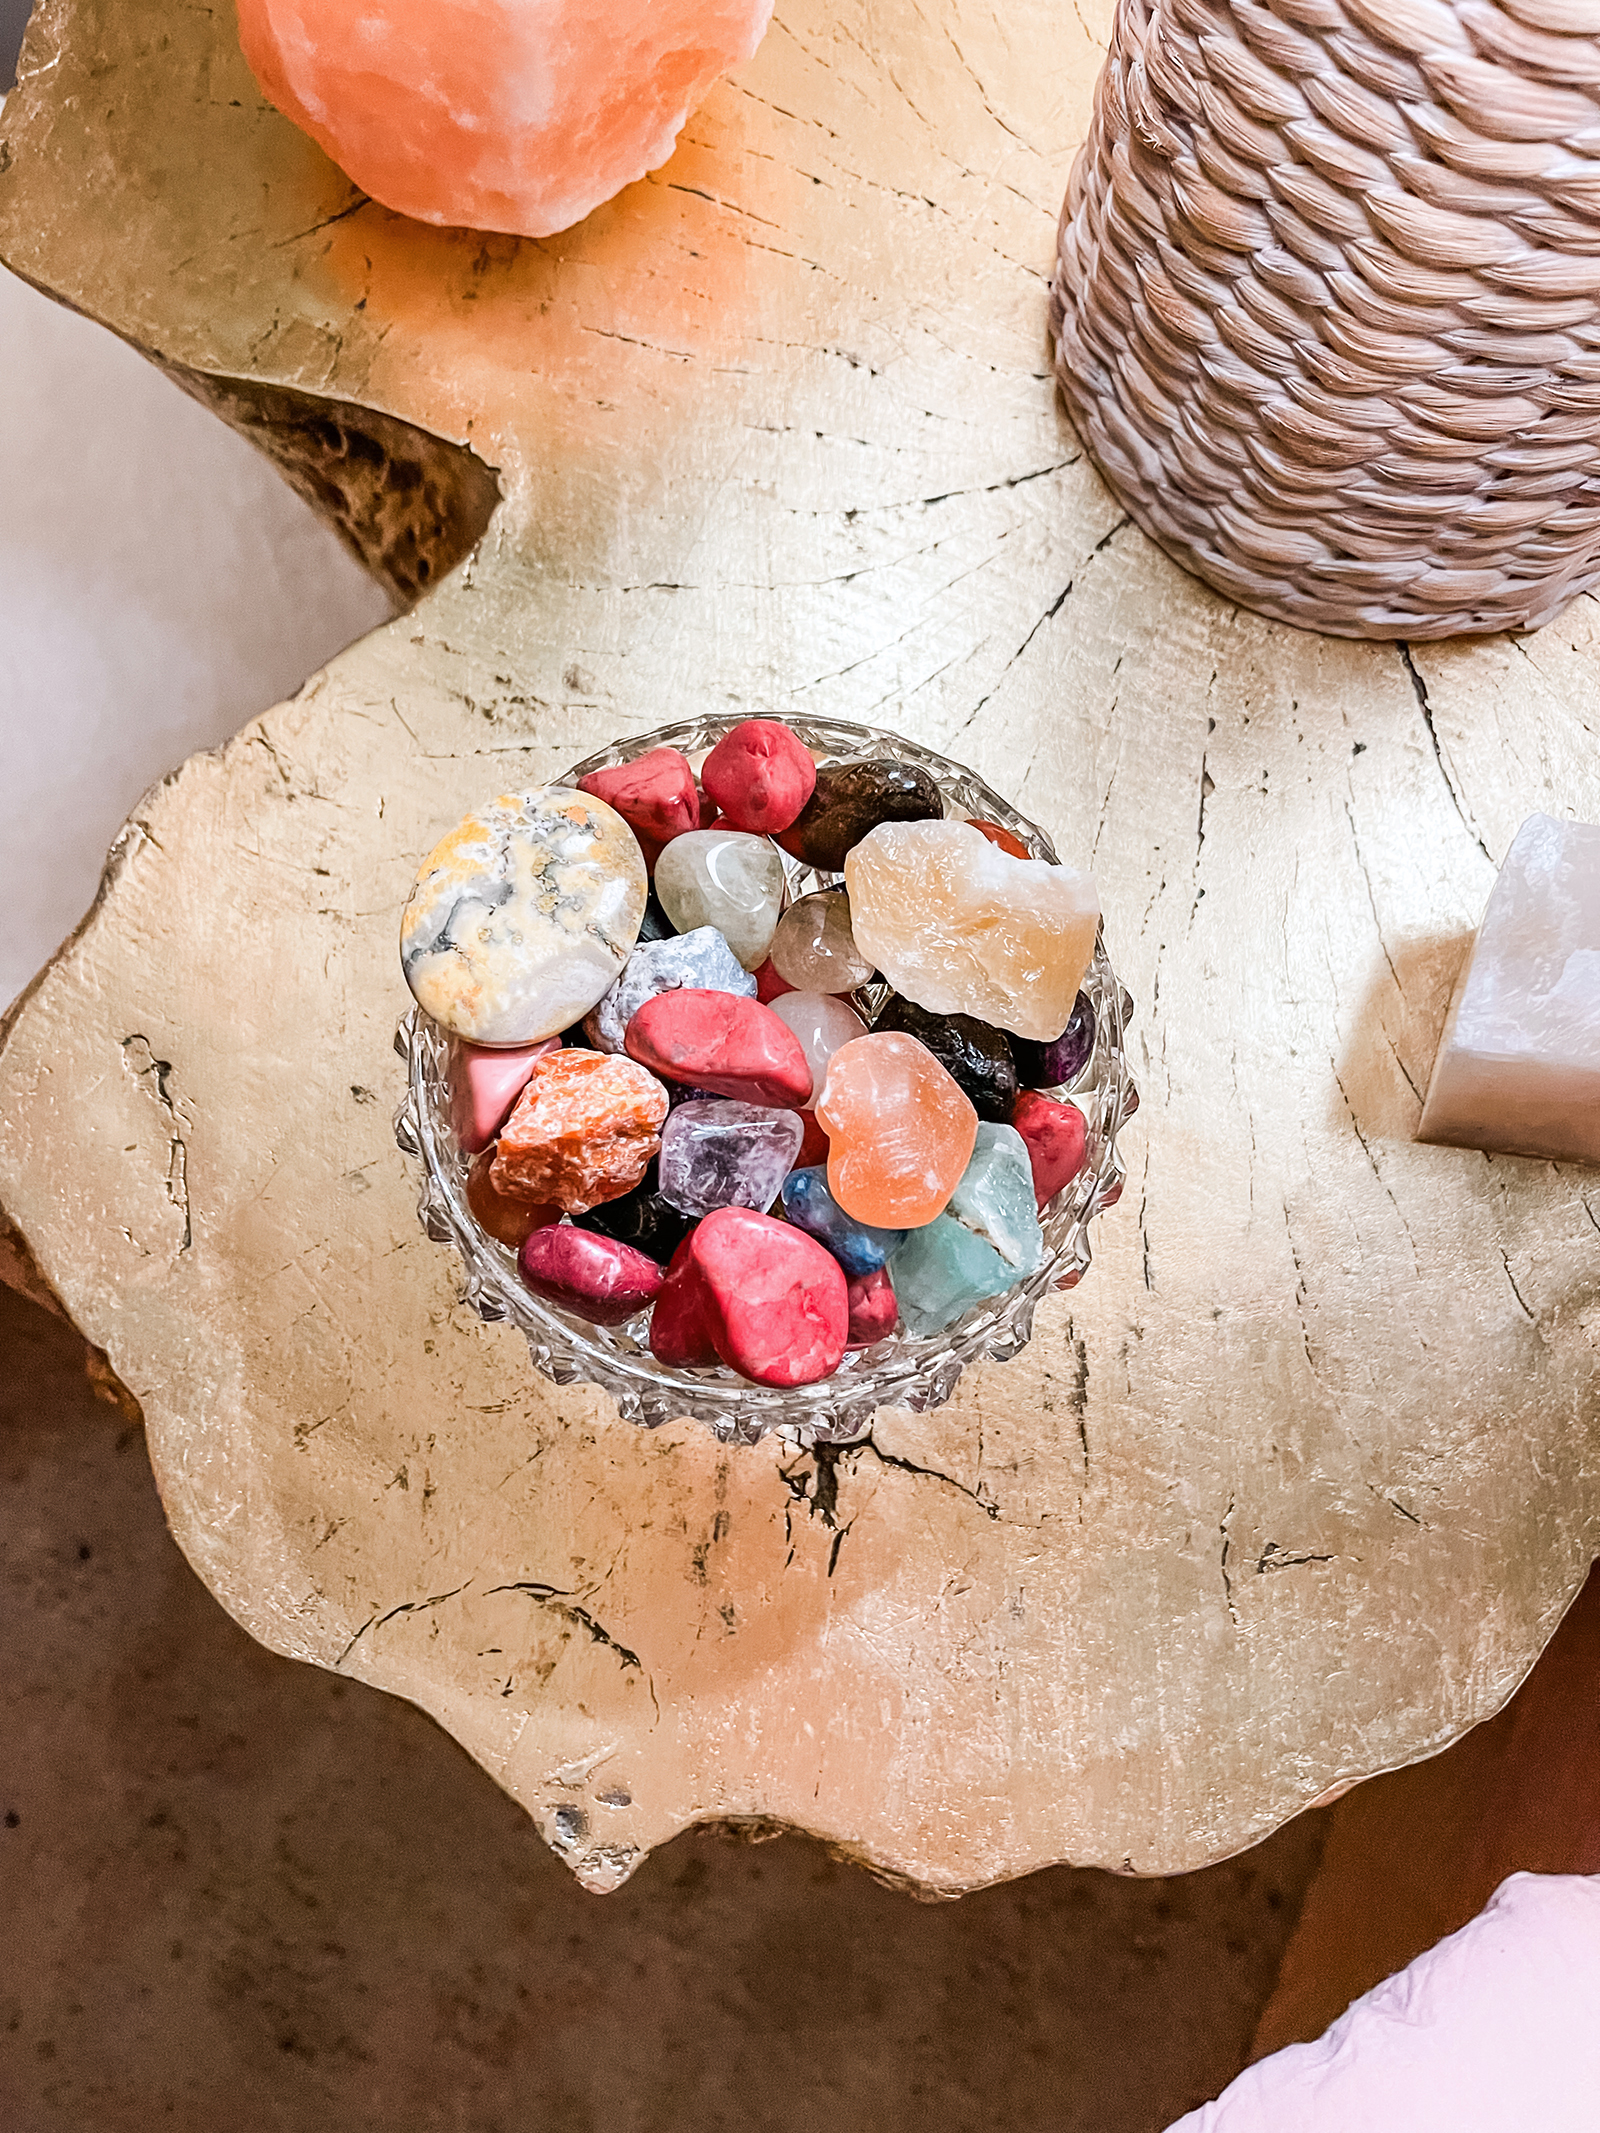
(1327, 310)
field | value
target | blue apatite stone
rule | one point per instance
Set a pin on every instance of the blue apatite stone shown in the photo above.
(859, 1248)
(996, 1200)
(941, 1271)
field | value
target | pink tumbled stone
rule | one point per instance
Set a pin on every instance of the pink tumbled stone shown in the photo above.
(519, 115)
(654, 794)
(718, 1041)
(775, 1302)
(484, 1083)
(760, 775)
(594, 1276)
(1056, 1136)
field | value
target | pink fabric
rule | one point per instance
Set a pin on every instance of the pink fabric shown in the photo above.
(1496, 2030)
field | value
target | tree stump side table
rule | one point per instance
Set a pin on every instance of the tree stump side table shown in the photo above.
(1293, 1488)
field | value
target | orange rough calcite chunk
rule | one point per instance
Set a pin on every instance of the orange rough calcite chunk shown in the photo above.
(961, 927)
(900, 1131)
(519, 115)
(584, 1131)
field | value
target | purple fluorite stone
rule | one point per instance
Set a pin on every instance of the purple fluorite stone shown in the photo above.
(717, 1153)
(1050, 1066)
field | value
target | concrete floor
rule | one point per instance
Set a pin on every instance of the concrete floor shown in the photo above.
(241, 1894)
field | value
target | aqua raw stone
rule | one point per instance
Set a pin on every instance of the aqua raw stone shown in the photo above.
(724, 1154)
(701, 959)
(810, 1206)
(941, 1271)
(727, 879)
(995, 1199)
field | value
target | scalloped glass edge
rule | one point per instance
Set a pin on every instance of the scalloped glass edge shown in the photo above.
(898, 1372)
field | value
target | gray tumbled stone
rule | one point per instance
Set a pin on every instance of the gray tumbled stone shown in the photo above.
(701, 959)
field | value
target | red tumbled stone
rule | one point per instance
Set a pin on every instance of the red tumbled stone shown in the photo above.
(593, 1276)
(814, 1148)
(484, 1082)
(873, 1309)
(1056, 1135)
(769, 986)
(775, 1303)
(1004, 838)
(680, 1334)
(509, 1222)
(760, 775)
(718, 1041)
(654, 794)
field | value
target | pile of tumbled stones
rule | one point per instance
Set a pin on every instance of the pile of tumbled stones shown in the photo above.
(666, 1084)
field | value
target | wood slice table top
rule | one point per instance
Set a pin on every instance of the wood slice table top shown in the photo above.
(1298, 1482)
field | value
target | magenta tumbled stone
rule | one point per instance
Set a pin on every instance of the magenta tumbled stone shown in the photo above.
(484, 1082)
(654, 794)
(718, 1041)
(874, 1308)
(593, 1276)
(760, 775)
(1056, 1135)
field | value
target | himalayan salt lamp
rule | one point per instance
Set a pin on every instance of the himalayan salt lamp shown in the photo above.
(517, 115)
(1518, 1066)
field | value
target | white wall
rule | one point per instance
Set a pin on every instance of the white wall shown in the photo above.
(159, 585)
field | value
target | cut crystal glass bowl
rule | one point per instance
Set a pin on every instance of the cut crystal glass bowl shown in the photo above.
(898, 1372)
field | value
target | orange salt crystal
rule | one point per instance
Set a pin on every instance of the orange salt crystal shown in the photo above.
(900, 1131)
(584, 1130)
(519, 115)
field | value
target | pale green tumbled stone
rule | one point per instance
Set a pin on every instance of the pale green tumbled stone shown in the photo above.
(941, 1271)
(996, 1199)
(727, 879)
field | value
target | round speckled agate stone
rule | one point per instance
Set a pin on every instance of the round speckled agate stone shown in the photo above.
(522, 918)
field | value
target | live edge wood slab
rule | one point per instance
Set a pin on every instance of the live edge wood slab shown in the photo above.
(1298, 1482)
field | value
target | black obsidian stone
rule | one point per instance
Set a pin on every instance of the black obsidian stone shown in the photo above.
(655, 925)
(640, 1218)
(852, 798)
(975, 1055)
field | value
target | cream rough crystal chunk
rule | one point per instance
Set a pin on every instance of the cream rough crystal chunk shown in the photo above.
(962, 928)
(1518, 1066)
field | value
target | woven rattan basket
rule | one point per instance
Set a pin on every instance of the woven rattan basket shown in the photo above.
(1327, 310)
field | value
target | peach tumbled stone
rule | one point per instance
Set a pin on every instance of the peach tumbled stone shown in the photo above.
(518, 115)
(900, 1132)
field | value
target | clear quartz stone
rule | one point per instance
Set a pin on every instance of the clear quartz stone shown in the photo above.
(822, 1024)
(727, 879)
(814, 948)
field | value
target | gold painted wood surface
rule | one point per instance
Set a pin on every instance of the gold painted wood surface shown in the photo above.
(1298, 1482)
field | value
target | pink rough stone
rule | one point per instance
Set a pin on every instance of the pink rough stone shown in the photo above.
(654, 794)
(593, 1276)
(760, 775)
(874, 1310)
(519, 115)
(1056, 1135)
(718, 1041)
(484, 1083)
